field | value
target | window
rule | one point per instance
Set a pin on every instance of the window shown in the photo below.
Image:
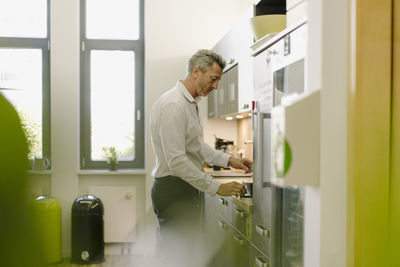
(24, 68)
(112, 82)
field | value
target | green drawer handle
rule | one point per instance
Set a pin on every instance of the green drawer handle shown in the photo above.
(239, 213)
(260, 263)
(223, 201)
(238, 240)
(262, 231)
(223, 225)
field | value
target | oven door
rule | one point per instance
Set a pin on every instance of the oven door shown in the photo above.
(289, 226)
(288, 64)
(288, 80)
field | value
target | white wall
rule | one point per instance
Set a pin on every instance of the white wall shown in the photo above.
(173, 30)
(327, 68)
(65, 108)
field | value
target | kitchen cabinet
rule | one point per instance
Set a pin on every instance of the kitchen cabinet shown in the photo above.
(212, 104)
(240, 249)
(257, 258)
(230, 91)
(228, 232)
(235, 93)
(228, 229)
(221, 97)
(216, 235)
(296, 11)
(224, 101)
(244, 40)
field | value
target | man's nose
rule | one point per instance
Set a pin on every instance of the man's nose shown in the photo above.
(215, 85)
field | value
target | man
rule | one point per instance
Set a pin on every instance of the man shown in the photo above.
(177, 139)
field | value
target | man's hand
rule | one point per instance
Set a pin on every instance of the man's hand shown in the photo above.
(238, 163)
(231, 189)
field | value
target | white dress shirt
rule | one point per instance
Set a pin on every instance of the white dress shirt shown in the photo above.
(177, 139)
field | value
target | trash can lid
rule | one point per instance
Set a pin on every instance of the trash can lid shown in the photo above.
(46, 204)
(87, 204)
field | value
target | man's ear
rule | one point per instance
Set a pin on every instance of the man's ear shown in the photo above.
(195, 72)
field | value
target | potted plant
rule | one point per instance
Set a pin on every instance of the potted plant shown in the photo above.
(112, 156)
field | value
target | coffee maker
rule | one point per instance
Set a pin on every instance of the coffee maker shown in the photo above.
(225, 146)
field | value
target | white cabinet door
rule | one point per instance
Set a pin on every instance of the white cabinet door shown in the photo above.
(119, 212)
(234, 47)
(231, 90)
(226, 49)
(244, 36)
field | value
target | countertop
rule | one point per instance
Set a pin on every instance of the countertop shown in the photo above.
(232, 173)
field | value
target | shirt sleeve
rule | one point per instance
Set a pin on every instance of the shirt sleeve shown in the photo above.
(172, 134)
(214, 156)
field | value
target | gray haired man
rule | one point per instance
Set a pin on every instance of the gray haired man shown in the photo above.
(177, 139)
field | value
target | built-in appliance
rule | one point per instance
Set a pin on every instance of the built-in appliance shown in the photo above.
(277, 223)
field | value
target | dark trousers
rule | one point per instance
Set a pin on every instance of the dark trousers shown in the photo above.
(176, 204)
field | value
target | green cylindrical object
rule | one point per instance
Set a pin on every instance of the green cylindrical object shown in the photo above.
(47, 213)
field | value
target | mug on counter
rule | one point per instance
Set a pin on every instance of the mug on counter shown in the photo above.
(40, 164)
(249, 188)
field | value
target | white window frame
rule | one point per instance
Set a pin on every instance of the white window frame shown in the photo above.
(44, 45)
(87, 45)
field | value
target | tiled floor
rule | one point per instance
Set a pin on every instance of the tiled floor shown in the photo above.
(117, 261)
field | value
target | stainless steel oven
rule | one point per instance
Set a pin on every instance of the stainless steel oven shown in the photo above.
(278, 212)
(288, 58)
(288, 80)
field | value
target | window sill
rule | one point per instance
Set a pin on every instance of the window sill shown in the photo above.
(117, 172)
(44, 172)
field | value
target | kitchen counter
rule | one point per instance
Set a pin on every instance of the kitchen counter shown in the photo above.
(232, 173)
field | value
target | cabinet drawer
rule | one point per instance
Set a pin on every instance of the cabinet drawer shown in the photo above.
(241, 220)
(218, 250)
(261, 237)
(240, 249)
(257, 258)
(224, 207)
(262, 227)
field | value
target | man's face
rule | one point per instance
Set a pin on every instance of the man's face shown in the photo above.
(208, 81)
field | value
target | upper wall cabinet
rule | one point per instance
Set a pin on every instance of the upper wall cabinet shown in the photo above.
(244, 37)
(235, 91)
(234, 47)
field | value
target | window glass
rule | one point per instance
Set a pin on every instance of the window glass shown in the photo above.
(21, 75)
(112, 19)
(23, 18)
(112, 82)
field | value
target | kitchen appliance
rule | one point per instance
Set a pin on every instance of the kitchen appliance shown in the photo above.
(279, 71)
(249, 188)
(225, 146)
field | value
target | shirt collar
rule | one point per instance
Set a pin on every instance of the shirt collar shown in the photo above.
(186, 93)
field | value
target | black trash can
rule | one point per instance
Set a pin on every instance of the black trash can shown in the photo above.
(87, 240)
